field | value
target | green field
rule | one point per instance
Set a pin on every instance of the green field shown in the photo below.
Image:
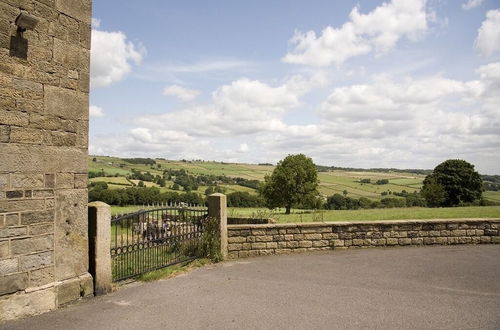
(354, 215)
(331, 182)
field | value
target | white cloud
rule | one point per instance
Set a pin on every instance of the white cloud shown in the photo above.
(471, 4)
(111, 57)
(488, 35)
(181, 93)
(95, 111)
(96, 23)
(243, 147)
(377, 31)
(382, 122)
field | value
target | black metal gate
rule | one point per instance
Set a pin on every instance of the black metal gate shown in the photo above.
(151, 239)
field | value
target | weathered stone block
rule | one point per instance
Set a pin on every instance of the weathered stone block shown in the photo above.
(271, 245)
(283, 251)
(28, 218)
(68, 291)
(65, 180)
(292, 244)
(292, 231)
(404, 241)
(12, 232)
(43, 193)
(358, 242)
(313, 237)
(233, 232)
(442, 240)
(234, 247)
(32, 244)
(42, 276)
(236, 254)
(30, 304)
(258, 246)
(4, 181)
(4, 249)
(281, 245)
(86, 285)
(9, 266)
(490, 232)
(458, 232)
(78, 9)
(321, 243)
(246, 246)
(485, 239)
(81, 180)
(45, 122)
(417, 241)
(298, 237)
(258, 232)
(27, 180)
(36, 261)
(265, 238)
(66, 103)
(12, 219)
(13, 283)
(266, 252)
(330, 235)
(14, 194)
(338, 243)
(67, 54)
(236, 239)
(305, 244)
(14, 205)
(4, 133)
(14, 118)
(429, 240)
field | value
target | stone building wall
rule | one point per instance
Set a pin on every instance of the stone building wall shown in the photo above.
(255, 240)
(44, 90)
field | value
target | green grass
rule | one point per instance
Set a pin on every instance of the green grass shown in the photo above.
(331, 182)
(174, 270)
(372, 214)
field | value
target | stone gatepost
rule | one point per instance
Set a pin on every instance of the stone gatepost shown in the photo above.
(44, 95)
(217, 208)
(99, 245)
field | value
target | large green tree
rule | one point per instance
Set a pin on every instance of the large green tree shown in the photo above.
(453, 182)
(294, 181)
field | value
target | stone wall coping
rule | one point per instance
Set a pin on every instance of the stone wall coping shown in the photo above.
(349, 223)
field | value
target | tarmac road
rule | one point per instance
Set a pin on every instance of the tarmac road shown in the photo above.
(440, 287)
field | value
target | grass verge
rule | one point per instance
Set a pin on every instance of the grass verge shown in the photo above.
(174, 270)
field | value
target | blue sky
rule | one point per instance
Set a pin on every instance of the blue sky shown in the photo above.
(401, 83)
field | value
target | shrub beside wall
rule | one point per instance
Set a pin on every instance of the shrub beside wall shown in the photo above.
(255, 240)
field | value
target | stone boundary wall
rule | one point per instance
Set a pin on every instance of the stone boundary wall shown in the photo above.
(256, 240)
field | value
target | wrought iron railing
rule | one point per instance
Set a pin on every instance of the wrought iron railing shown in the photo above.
(147, 240)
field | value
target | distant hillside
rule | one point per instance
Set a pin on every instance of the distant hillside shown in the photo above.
(375, 183)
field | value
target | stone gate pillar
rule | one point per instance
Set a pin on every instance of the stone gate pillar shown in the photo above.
(44, 92)
(217, 208)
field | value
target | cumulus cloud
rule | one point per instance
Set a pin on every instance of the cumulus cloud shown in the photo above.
(182, 93)
(242, 107)
(95, 111)
(112, 57)
(471, 4)
(377, 31)
(383, 122)
(488, 35)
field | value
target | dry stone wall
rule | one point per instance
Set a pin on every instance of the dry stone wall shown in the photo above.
(44, 89)
(255, 240)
